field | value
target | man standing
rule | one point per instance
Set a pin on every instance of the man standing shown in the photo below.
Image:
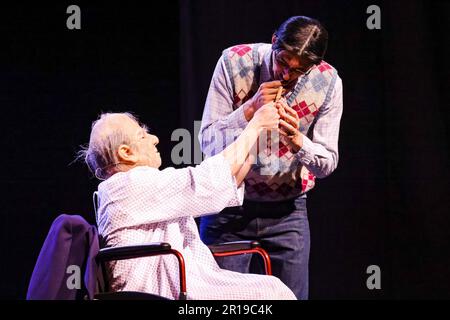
(274, 210)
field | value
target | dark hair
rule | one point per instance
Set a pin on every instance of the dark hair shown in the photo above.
(303, 36)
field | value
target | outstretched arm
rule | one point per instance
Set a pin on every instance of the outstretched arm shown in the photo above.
(238, 154)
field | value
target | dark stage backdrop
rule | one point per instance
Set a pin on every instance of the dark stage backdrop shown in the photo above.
(385, 205)
(53, 83)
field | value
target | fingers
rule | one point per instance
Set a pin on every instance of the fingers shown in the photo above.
(283, 132)
(291, 111)
(278, 96)
(281, 111)
(268, 116)
(271, 84)
(287, 108)
(288, 114)
(267, 92)
(288, 129)
(265, 98)
(291, 120)
(270, 90)
(283, 103)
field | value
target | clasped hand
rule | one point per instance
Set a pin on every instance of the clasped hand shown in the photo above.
(287, 119)
(289, 127)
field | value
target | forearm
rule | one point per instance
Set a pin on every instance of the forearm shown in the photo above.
(320, 153)
(317, 158)
(237, 153)
(243, 171)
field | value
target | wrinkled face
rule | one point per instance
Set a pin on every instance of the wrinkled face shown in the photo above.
(142, 147)
(287, 67)
(145, 144)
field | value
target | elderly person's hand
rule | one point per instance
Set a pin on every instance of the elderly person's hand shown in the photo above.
(267, 117)
(289, 126)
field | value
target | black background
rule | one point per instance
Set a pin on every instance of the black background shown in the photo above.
(387, 202)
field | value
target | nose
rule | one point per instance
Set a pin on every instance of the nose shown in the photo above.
(286, 75)
(155, 139)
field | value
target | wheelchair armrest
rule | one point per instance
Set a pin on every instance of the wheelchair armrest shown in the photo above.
(242, 247)
(130, 252)
(234, 246)
(146, 250)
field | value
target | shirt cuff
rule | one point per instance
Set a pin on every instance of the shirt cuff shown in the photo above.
(238, 199)
(306, 154)
(237, 117)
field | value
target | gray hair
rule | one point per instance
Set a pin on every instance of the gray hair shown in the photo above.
(100, 155)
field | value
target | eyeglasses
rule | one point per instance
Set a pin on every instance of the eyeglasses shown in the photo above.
(293, 71)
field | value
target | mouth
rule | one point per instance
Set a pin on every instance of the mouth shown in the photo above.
(284, 83)
(287, 84)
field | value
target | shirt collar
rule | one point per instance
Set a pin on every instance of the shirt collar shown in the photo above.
(266, 67)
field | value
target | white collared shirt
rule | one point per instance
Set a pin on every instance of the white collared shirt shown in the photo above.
(145, 205)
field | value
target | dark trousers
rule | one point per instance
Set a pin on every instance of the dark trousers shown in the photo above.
(282, 228)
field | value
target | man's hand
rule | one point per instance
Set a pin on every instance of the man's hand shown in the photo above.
(289, 126)
(266, 93)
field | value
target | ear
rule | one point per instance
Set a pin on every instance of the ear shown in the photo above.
(127, 155)
(274, 38)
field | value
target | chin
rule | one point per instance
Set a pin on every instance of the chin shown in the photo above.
(155, 164)
(158, 163)
(288, 84)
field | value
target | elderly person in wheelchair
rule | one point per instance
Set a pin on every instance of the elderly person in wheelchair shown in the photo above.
(138, 203)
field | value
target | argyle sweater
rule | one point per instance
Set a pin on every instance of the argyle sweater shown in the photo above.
(278, 174)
